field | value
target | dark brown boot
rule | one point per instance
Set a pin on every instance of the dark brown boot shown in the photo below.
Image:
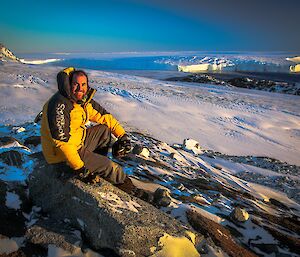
(127, 186)
(131, 189)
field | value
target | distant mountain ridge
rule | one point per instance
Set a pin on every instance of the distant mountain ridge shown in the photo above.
(6, 55)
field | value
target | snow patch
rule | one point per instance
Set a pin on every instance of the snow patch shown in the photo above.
(13, 201)
(116, 203)
(81, 223)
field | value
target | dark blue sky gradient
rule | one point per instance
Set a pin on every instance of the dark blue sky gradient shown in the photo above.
(140, 25)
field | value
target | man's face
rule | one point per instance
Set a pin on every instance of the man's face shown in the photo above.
(79, 86)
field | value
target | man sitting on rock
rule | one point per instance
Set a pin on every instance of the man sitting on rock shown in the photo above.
(65, 138)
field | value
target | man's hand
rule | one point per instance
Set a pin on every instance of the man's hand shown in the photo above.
(83, 173)
(122, 146)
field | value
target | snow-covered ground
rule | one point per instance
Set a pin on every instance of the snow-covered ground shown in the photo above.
(228, 120)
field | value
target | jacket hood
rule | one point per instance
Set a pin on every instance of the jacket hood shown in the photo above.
(64, 87)
(63, 84)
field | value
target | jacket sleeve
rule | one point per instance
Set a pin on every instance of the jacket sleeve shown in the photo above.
(70, 152)
(99, 115)
(58, 114)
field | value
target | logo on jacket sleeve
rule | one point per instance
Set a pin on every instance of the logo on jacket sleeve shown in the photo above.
(60, 121)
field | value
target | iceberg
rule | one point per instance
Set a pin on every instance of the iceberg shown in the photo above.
(201, 67)
(204, 64)
(39, 61)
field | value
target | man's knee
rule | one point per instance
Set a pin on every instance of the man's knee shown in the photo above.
(103, 129)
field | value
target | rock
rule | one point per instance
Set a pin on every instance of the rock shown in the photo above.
(145, 152)
(6, 142)
(278, 204)
(179, 245)
(181, 187)
(266, 85)
(178, 157)
(18, 129)
(162, 197)
(53, 232)
(33, 140)
(200, 200)
(12, 158)
(142, 151)
(217, 166)
(137, 149)
(295, 68)
(267, 248)
(108, 217)
(220, 235)
(193, 145)
(240, 214)
(26, 233)
(12, 221)
(290, 241)
(7, 55)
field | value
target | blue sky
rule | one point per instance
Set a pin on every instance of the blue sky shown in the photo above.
(140, 25)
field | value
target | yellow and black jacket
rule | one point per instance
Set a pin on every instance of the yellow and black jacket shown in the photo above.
(63, 128)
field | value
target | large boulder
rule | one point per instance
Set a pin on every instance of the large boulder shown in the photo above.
(192, 145)
(239, 214)
(108, 217)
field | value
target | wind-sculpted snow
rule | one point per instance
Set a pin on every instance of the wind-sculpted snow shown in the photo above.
(123, 93)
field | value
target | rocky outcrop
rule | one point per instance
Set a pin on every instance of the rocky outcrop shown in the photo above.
(198, 78)
(292, 88)
(266, 85)
(7, 55)
(220, 235)
(26, 232)
(108, 217)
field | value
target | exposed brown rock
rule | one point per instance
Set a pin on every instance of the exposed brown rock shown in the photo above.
(293, 243)
(291, 223)
(218, 233)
